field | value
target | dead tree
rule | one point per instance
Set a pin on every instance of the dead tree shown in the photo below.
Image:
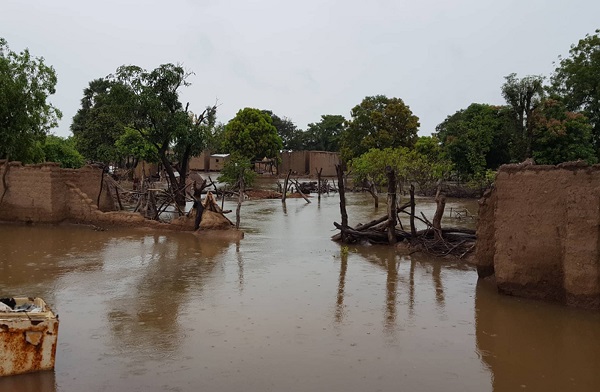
(342, 191)
(391, 198)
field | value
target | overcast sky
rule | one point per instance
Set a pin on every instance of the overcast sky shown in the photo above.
(307, 58)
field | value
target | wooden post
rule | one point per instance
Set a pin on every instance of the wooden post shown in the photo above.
(342, 192)
(391, 199)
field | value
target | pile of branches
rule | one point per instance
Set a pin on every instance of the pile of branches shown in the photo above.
(388, 229)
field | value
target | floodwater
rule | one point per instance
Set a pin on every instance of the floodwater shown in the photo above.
(285, 309)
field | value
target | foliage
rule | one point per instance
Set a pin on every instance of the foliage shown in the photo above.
(251, 134)
(291, 136)
(325, 134)
(235, 168)
(577, 80)
(477, 138)
(131, 143)
(523, 96)
(63, 151)
(148, 102)
(561, 136)
(378, 122)
(215, 138)
(26, 82)
(105, 112)
(410, 166)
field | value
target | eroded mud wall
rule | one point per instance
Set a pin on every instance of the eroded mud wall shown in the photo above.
(541, 227)
(325, 160)
(40, 193)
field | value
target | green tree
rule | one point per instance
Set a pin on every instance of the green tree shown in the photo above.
(105, 112)
(252, 135)
(26, 116)
(577, 81)
(132, 145)
(561, 136)
(477, 138)
(291, 136)
(378, 122)
(63, 151)
(523, 96)
(325, 134)
(148, 101)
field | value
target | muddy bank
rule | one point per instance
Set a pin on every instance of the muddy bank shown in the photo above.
(538, 233)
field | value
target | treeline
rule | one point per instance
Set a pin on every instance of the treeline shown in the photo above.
(135, 114)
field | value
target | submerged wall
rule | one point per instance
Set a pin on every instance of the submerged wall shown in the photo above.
(539, 233)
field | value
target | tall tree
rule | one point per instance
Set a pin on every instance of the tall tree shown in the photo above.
(288, 132)
(26, 116)
(577, 81)
(560, 135)
(523, 96)
(378, 122)
(251, 134)
(148, 102)
(477, 138)
(325, 134)
(105, 112)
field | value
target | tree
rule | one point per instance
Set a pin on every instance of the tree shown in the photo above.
(378, 122)
(523, 96)
(26, 116)
(561, 136)
(148, 102)
(576, 81)
(62, 150)
(132, 145)
(477, 138)
(291, 136)
(252, 135)
(105, 112)
(325, 135)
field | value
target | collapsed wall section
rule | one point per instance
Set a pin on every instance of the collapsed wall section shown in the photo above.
(40, 193)
(539, 232)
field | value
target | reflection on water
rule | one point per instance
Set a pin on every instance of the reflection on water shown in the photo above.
(147, 311)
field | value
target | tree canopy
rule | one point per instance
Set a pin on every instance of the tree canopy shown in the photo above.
(477, 138)
(26, 116)
(63, 151)
(251, 134)
(147, 102)
(523, 96)
(378, 122)
(325, 134)
(576, 80)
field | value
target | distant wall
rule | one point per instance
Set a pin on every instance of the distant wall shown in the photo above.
(308, 162)
(200, 162)
(539, 232)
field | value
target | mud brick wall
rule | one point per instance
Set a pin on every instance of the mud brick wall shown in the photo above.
(540, 228)
(297, 161)
(39, 193)
(325, 160)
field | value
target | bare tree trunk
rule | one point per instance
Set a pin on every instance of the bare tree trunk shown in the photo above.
(319, 183)
(413, 230)
(440, 200)
(391, 199)
(342, 191)
(373, 192)
(285, 185)
(240, 201)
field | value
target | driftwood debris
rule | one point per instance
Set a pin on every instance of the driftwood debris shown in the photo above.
(433, 239)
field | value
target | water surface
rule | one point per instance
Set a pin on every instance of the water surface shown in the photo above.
(285, 309)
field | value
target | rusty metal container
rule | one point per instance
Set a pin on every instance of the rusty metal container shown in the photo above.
(28, 340)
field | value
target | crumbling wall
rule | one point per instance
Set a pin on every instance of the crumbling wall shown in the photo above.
(39, 193)
(541, 228)
(297, 161)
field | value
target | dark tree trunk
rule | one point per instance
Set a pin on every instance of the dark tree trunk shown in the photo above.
(391, 199)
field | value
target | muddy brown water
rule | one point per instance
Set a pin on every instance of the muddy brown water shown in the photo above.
(285, 309)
